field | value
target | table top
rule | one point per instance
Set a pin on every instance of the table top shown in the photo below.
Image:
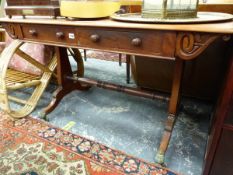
(217, 27)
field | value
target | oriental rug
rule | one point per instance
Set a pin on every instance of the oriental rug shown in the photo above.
(33, 147)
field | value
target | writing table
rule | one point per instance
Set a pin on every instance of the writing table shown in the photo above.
(177, 42)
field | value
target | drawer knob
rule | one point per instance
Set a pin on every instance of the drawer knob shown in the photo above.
(136, 42)
(95, 38)
(33, 32)
(60, 35)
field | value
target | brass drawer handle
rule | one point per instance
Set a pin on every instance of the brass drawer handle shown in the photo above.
(95, 38)
(136, 42)
(33, 32)
(60, 35)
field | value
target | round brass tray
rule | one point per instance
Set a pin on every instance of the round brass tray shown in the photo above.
(202, 17)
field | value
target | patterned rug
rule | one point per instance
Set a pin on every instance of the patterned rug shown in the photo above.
(33, 147)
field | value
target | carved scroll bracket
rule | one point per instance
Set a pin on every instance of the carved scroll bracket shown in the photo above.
(189, 45)
(10, 30)
(13, 30)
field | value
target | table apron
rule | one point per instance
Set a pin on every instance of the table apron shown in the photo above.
(150, 43)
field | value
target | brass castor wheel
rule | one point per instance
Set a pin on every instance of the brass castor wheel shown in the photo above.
(43, 116)
(46, 118)
(159, 158)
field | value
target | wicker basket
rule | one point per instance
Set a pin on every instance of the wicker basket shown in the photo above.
(169, 9)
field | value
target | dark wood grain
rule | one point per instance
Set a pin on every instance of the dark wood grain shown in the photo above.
(120, 88)
(125, 41)
(65, 85)
(13, 11)
(32, 8)
(220, 146)
(49, 34)
(32, 2)
(173, 104)
(222, 163)
(225, 8)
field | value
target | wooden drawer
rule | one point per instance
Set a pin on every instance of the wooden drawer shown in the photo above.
(51, 34)
(151, 43)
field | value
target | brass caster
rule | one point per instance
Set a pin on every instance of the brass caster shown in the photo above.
(46, 118)
(43, 116)
(159, 158)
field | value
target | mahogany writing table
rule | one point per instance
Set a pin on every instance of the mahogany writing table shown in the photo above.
(177, 42)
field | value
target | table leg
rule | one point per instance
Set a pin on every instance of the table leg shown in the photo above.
(85, 54)
(128, 69)
(172, 110)
(120, 59)
(65, 86)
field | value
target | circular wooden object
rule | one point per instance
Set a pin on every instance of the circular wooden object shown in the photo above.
(12, 80)
(75, 53)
